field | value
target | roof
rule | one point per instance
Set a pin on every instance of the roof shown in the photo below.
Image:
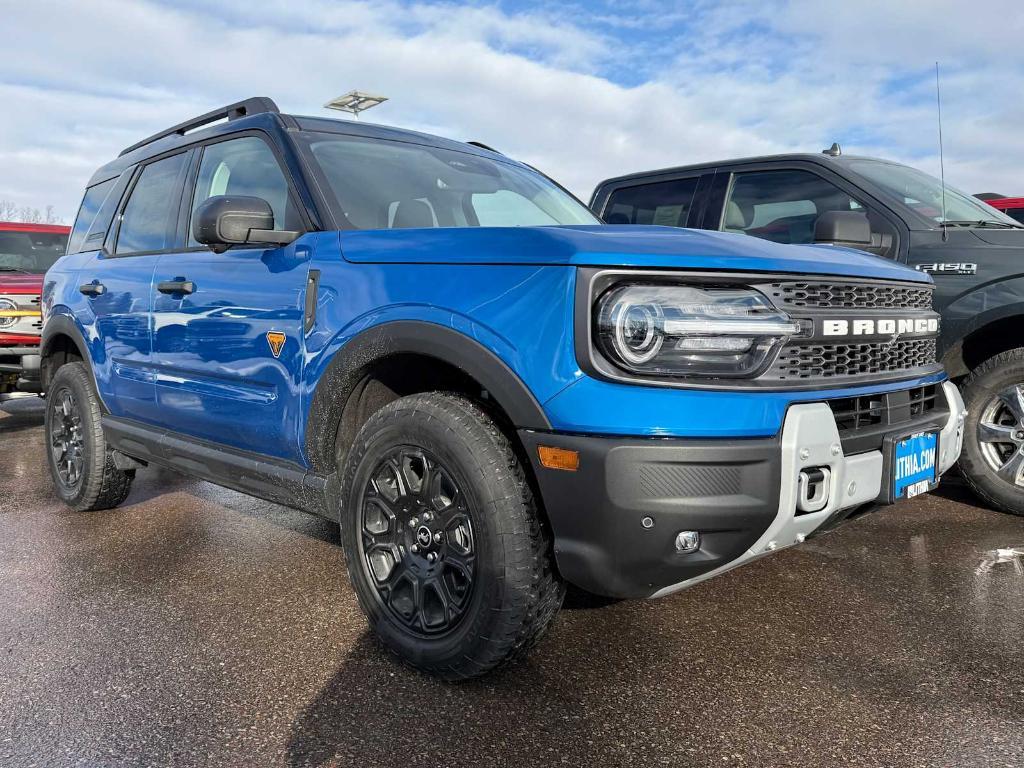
(262, 112)
(820, 158)
(19, 226)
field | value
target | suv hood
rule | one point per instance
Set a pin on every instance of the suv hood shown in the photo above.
(20, 283)
(613, 246)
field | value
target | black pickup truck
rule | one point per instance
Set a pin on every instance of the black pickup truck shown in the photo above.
(974, 252)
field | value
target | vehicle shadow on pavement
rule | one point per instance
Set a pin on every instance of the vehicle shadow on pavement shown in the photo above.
(16, 415)
(374, 711)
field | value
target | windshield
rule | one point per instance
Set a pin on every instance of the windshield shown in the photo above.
(395, 185)
(923, 193)
(33, 252)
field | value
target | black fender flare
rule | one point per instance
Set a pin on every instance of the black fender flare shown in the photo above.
(350, 362)
(61, 325)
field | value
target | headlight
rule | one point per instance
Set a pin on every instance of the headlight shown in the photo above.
(685, 330)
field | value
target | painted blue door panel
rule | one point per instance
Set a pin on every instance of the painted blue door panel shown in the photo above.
(117, 324)
(216, 376)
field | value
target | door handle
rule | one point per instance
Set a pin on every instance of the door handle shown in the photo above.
(93, 289)
(176, 286)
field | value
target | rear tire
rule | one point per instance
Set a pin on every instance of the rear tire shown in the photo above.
(81, 464)
(992, 461)
(445, 547)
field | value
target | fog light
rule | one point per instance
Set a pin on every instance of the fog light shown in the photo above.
(687, 541)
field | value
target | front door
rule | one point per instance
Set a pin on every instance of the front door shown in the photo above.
(228, 327)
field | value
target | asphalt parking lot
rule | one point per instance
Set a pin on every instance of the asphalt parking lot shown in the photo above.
(198, 626)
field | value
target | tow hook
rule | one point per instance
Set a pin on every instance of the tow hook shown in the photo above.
(815, 485)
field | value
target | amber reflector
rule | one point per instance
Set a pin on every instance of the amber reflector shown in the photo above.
(558, 458)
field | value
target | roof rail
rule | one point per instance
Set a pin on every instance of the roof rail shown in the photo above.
(253, 106)
(483, 146)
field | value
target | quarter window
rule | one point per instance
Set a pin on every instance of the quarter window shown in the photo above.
(94, 198)
(666, 203)
(244, 166)
(147, 223)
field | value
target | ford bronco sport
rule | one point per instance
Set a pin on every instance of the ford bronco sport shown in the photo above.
(492, 393)
(973, 251)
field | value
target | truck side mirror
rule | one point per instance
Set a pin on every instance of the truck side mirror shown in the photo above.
(850, 228)
(225, 220)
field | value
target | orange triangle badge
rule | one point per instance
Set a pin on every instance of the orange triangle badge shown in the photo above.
(276, 341)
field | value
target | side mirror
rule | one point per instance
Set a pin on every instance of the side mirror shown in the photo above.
(225, 220)
(850, 228)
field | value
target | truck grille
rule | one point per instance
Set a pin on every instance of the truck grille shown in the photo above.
(825, 361)
(806, 295)
(31, 325)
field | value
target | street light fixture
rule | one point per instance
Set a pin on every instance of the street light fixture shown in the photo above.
(355, 102)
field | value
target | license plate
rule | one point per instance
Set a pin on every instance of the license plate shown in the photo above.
(914, 465)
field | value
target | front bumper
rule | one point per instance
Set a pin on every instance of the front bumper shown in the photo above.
(615, 519)
(19, 369)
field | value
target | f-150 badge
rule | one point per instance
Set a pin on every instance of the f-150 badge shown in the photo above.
(948, 268)
(276, 341)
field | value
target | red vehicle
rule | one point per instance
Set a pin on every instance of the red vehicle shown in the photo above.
(1011, 206)
(26, 252)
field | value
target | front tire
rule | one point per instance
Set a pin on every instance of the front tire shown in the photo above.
(992, 461)
(445, 547)
(81, 465)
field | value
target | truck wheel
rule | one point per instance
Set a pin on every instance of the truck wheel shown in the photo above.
(992, 461)
(447, 553)
(81, 465)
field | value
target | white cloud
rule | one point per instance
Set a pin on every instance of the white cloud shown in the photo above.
(80, 81)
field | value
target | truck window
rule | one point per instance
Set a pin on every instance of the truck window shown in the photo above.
(665, 202)
(782, 206)
(244, 166)
(94, 198)
(146, 223)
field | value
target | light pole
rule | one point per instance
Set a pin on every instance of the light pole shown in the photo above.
(355, 102)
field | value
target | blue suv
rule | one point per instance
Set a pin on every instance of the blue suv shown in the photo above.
(494, 394)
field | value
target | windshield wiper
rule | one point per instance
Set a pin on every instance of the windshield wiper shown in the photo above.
(16, 269)
(981, 223)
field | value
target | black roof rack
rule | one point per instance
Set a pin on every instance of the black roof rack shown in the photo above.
(253, 106)
(483, 146)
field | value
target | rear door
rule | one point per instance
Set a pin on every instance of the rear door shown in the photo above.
(116, 284)
(228, 327)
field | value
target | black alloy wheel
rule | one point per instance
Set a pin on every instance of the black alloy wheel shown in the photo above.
(416, 541)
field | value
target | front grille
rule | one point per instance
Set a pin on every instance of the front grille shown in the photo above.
(807, 295)
(864, 421)
(826, 361)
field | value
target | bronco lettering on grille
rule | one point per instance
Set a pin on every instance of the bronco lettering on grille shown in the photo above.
(881, 327)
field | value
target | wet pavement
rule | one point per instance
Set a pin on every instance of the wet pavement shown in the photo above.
(198, 626)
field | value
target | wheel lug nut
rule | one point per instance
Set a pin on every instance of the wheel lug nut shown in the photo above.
(414, 548)
(427, 517)
(437, 537)
(414, 522)
(431, 557)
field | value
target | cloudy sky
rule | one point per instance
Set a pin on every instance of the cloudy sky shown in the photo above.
(583, 90)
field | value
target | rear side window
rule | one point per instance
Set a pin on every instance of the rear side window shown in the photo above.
(666, 203)
(245, 166)
(147, 223)
(94, 198)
